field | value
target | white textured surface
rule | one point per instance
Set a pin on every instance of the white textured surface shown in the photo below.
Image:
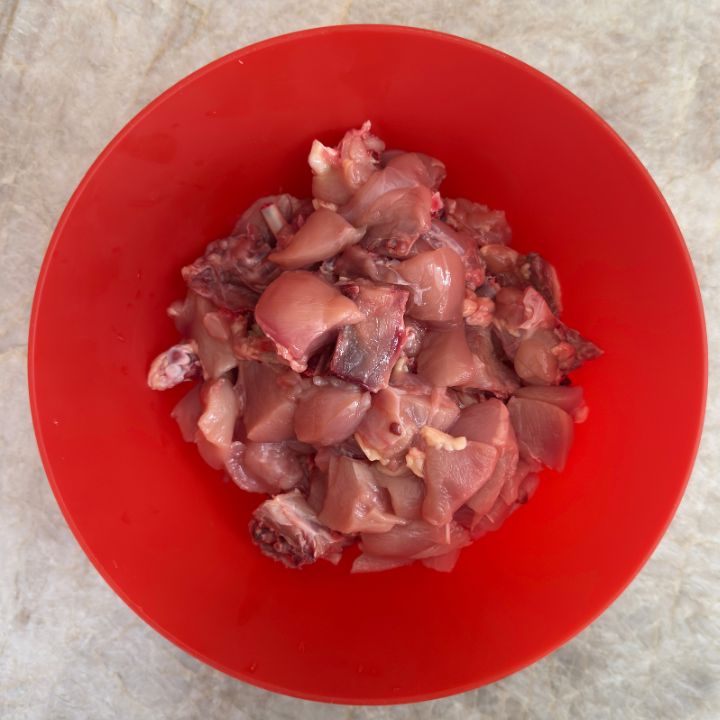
(71, 74)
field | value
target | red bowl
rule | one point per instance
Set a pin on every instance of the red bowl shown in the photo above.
(171, 537)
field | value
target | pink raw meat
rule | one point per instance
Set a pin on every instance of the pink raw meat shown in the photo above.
(438, 288)
(405, 489)
(265, 467)
(395, 417)
(354, 502)
(428, 171)
(324, 234)
(366, 352)
(328, 414)
(415, 540)
(235, 269)
(216, 425)
(489, 372)
(568, 398)
(211, 330)
(174, 366)
(339, 172)
(442, 235)
(300, 313)
(370, 201)
(445, 359)
(287, 529)
(482, 224)
(187, 413)
(489, 422)
(365, 563)
(357, 262)
(544, 431)
(544, 279)
(453, 476)
(271, 395)
(397, 219)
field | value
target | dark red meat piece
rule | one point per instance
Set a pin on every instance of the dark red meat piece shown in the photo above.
(366, 351)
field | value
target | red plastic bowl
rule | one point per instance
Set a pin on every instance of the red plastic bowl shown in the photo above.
(171, 537)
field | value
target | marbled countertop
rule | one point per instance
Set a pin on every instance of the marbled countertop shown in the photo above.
(71, 73)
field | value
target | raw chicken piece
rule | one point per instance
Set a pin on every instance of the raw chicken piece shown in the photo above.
(542, 348)
(287, 529)
(573, 349)
(405, 489)
(569, 398)
(257, 222)
(504, 264)
(490, 373)
(216, 425)
(521, 312)
(233, 270)
(528, 487)
(512, 270)
(216, 275)
(396, 204)
(354, 501)
(443, 409)
(428, 171)
(397, 219)
(187, 413)
(388, 427)
(339, 172)
(445, 359)
(441, 235)
(544, 279)
(511, 489)
(501, 510)
(544, 431)
(368, 203)
(323, 235)
(265, 467)
(196, 317)
(271, 395)
(174, 366)
(395, 417)
(249, 342)
(357, 262)
(509, 314)
(489, 422)
(485, 226)
(301, 313)
(327, 414)
(537, 313)
(366, 352)
(535, 360)
(497, 515)
(438, 287)
(453, 476)
(415, 540)
(365, 563)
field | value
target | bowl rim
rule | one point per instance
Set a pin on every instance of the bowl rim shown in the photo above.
(235, 56)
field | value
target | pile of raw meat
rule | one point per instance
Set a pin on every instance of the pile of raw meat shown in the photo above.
(377, 360)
